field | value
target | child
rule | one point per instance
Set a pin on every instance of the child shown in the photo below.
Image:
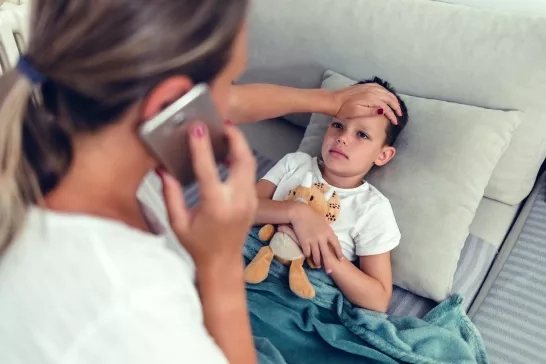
(366, 230)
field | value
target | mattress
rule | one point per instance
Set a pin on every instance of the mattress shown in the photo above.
(510, 310)
(476, 256)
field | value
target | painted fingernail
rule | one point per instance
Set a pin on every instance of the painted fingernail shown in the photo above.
(228, 122)
(198, 131)
(380, 111)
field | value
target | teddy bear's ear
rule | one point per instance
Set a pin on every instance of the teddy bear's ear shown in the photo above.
(328, 194)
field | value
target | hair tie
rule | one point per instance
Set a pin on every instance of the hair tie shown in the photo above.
(25, 66)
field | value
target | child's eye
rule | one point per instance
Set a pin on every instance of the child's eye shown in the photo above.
(337, 125)
(363, 135)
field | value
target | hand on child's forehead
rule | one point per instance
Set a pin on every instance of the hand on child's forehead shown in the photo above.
(367, 121)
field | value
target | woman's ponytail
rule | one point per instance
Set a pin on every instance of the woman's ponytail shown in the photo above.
(18, 185)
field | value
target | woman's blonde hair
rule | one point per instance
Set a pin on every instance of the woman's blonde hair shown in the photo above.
(97, 58)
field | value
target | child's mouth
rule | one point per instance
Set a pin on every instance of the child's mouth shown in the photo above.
(336, 153)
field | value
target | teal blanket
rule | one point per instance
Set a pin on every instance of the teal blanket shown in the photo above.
(329, 329)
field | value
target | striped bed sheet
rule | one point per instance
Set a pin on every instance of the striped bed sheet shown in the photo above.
(510, 311)
(473, 265)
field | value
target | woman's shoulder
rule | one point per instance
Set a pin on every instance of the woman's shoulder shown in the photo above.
(99, 246)
(86, 272)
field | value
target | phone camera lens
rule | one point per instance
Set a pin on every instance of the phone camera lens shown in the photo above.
(179, 118)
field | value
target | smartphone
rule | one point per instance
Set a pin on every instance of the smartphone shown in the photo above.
(166, 134)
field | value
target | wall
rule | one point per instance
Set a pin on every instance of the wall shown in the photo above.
(528, 7)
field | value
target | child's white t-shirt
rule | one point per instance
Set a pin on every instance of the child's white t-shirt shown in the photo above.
(366, 224)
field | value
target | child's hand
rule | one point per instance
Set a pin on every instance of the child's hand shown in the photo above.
(315, 236)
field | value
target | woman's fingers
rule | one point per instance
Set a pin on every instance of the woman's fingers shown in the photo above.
(387, 111)
(203, 162)
(242, 170)
(175, 203)
(391, 100)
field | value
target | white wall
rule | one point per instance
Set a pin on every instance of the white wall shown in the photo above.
(529, 7)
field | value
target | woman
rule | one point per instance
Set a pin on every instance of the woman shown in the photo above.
(85, 274)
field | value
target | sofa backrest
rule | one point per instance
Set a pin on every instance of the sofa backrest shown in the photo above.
(424, 48)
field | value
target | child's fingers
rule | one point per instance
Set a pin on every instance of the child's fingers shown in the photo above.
(334, 243)
(326, 257)
(315, 249)
(306, 248)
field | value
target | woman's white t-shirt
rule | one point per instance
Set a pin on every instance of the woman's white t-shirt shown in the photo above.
(86, 290)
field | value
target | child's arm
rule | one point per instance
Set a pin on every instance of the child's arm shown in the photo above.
(314, 233)
(370, 286)
(273, 212)
(375, 234)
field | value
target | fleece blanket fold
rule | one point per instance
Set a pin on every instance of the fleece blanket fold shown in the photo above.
(329, 329)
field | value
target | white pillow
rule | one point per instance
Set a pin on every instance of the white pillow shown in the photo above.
(445, 158)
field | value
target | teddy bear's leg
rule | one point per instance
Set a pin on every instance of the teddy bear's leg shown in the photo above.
(258, 269)
(299, 283)
(266, 232)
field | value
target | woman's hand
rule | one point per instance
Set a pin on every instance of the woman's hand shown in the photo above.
(368, 99)
(215, 231)
(315, 236)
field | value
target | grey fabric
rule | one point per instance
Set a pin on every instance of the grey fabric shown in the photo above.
(432, 50)
(511, 310)
(493, 220)
(474, 263)
(273, 138)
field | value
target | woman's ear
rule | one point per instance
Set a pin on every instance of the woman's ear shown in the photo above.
(387, 153)
(164, 94)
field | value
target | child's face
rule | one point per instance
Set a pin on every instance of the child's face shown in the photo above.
(351, 147)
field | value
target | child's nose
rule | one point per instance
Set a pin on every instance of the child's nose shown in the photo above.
(342, 138)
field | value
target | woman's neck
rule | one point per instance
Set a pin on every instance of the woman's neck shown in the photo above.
(102, 182)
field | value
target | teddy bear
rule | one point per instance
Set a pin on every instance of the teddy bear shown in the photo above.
(283, 245)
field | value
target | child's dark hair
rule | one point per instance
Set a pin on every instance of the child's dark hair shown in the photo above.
(392, 130)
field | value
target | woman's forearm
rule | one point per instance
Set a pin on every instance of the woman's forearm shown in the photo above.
(254, 102)
(223, 296)
(359, 288)
(276, 212)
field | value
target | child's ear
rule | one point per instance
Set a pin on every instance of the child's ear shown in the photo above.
(387, 153)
